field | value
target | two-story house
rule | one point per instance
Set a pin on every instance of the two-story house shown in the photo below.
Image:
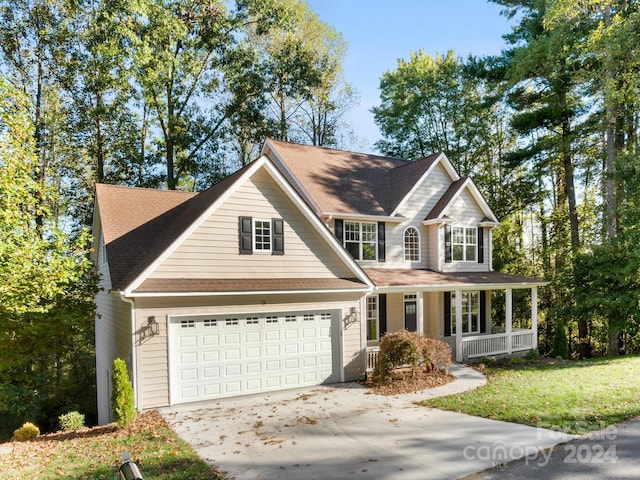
(288, 272)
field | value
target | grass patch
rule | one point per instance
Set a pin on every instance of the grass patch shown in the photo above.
(573, 396)
(96, 453)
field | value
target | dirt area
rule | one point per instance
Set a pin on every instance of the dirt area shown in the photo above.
(403, 381)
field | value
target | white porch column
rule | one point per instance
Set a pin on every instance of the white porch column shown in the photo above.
(458, 321)
(509, 319)
(534, 316)
(420, 312)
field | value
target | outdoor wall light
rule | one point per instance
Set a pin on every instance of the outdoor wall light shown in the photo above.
(153, 326)
(351, 317)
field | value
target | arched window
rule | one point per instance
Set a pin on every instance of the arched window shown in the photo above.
(411, 245)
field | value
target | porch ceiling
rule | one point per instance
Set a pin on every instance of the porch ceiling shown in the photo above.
(440, 281)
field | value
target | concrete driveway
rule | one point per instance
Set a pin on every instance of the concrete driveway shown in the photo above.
(344, 431)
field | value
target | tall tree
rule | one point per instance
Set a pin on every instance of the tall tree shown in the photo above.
(46, 280)
(610, 58)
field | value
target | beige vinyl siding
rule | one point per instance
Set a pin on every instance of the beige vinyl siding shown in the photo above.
(113, 340)
(395, 312)
(212, 251)
(427, 194)
(395, 245)
(153, 354)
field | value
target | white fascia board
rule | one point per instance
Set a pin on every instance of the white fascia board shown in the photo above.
(482, 203)
(366, 218)
(244, 293)
(477, 196)
(437, 221)
(448, 166)
(451, 288)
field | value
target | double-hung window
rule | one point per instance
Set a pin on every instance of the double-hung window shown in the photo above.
(470, 302)
(261, 236)
(464, 244)
(372, 318)
(361, 240)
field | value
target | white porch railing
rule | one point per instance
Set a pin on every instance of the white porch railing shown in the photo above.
(372, 358)
(477, 346)
(497, 344)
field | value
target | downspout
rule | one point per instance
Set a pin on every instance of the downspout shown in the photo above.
(134, 357)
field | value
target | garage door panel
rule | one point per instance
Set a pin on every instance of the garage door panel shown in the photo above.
(189, 341)
(272, 350)
(211, 372)
(253, 352)
(212, 356)
(218, 356)
(252, 337)
(209, 340)
(255, 367)
(272, 335)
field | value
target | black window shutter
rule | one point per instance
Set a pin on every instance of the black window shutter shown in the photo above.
(447, 243)
(447, 314)
(480, 245)
(382, 313)
(277, 234)
(338, 226)
(245, 229)
(381, 242)
(483, 311)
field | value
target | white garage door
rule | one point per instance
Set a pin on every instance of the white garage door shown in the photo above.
(226, 355)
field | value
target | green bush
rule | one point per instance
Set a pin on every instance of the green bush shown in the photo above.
(28, 431)
(533, 355)
(516, 361)
(122, 401)
(488, 361)
(560, 346)
(410, 349)
(71, 421)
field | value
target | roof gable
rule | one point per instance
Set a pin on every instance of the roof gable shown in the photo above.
(151, 235)
(439, 211)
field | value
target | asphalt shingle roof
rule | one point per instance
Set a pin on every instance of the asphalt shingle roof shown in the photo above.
(339, 181)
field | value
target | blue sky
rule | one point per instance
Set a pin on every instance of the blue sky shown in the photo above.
(380, 32)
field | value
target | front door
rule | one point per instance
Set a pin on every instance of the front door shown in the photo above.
(410, 314)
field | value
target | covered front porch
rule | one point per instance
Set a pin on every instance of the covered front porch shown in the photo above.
(473, 312)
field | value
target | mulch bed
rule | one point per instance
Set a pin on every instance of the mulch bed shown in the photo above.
(403, 381)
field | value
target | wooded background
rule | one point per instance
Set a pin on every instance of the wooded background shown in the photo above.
(178, 94)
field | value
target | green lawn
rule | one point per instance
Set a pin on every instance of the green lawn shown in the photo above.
(575, 396)
(97, 453)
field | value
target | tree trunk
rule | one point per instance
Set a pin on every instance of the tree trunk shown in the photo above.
(614, 337)
(99, 141)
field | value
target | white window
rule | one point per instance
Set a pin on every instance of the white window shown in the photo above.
(464, 244)
(261, 235)
(411, 245)
(361, 240)
(102, 251)
(470, 312)
(372, 318)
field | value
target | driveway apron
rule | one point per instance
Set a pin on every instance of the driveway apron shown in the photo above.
(345, 431)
